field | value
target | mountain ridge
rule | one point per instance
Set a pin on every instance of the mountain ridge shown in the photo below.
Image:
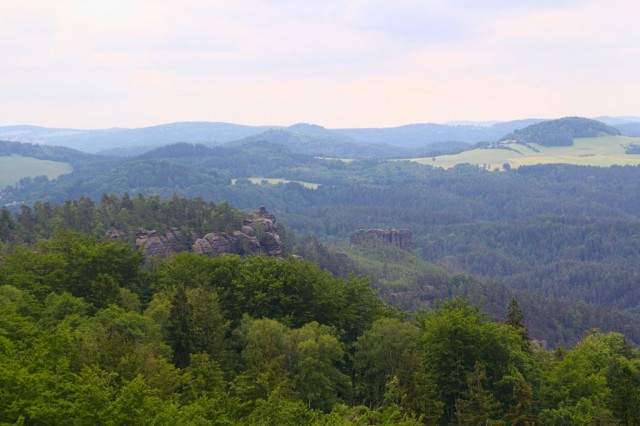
(416, 136)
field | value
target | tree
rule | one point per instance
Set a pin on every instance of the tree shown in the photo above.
(316, 367)
(520, 410)
(515, 318)
(455, 337)
(623, 378)
(478, 406)
(576, 389)
(379, 353)
(7, 225)
(264, 345)
(179, 333)
(207, 327)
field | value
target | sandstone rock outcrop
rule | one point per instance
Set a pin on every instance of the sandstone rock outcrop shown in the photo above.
(400, 238)
(257, 235)
(154, 243)
(213, 244)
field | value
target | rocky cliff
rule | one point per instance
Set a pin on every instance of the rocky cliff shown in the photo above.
(400, 238)
(258, 235)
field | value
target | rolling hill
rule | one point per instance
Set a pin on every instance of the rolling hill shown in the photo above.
(94, 141)
(572, 140)
(318, 141)
(560, 132)
(425, 139)
(373, 142)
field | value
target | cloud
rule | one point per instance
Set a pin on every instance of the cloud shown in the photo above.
(90, 63)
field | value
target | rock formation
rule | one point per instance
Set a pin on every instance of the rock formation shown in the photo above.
(154, 243)
(258, 235)
(400, 238)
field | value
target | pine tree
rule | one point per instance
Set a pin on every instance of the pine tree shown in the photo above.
(515, 318)
(179, 327)
(518, 414)
(479, 407)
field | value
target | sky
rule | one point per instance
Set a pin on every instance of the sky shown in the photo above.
(349, 63)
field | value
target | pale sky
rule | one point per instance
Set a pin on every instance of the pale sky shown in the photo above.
(351, 63)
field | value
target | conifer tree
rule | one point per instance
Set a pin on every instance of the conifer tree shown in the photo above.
(179, 327)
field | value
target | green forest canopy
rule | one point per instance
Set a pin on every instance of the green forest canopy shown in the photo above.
(89, 333)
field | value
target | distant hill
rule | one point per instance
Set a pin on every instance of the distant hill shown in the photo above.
(131, 142)
(561, 132)
(318, 141)
(409, 140)
(54, 153)
(629, 129)
(427, 134)
(94, 141)
(179, 150)
(615, 121)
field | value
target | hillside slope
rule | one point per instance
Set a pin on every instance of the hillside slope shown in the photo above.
(561, 132)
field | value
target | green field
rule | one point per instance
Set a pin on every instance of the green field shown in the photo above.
(275, 181)
(15, 167)
(604, 151)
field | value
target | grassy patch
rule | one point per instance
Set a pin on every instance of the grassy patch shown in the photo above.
(603, 151)
(15, 167)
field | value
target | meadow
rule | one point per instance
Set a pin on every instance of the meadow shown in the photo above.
(16, 167)
(603, 151)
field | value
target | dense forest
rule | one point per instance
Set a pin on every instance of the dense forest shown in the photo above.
(556, 312)
(93, 333)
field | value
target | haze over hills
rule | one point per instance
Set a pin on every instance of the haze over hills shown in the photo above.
(307, 138)
(95, 140)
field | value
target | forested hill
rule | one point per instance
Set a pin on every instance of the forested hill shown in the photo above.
(318, 141)
(561, 132)
(43, 152)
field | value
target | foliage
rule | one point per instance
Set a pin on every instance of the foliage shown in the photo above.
(456, 337)
(233, 340)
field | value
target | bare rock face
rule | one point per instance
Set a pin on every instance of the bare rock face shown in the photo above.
(258, 235)
(400, 238)
(153, 243)
(115, 234)
(271, 244)
(264, 214)
(178, 240)
(213, 244)
(245, 245)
